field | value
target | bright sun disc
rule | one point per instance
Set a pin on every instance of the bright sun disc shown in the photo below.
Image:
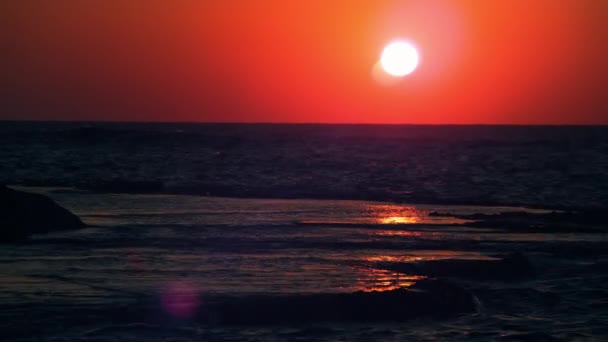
(399, 58)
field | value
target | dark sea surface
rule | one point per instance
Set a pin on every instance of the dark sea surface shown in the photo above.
(514, 165)
(187, 217)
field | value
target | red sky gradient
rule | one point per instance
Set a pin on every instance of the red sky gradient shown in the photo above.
(493, 62)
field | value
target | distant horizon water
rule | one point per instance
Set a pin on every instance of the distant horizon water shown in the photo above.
(559, 124)
(538, 166)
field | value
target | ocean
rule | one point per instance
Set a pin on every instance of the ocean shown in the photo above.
(263, 232)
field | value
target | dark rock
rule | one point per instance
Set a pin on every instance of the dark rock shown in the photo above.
(427, 298)
(588, 221)
(512, 267)
(23, 214)
(122, 186)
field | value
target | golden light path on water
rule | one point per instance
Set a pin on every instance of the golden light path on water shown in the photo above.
(383, 280)
(398, 220)
(392, 214)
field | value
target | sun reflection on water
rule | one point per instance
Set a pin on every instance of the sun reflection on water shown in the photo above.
(399, 233)
(398, 220)
(392, 214)
(384, 280)
(392, 258)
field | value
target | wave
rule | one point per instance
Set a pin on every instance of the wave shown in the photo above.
(428, 298)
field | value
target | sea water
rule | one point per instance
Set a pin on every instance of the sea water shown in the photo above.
(248, 210)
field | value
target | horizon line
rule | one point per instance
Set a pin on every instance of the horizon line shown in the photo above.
(297, 123)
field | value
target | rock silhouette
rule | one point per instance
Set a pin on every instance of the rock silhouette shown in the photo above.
(23, 214)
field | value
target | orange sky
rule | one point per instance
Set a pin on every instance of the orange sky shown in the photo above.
(512, 61)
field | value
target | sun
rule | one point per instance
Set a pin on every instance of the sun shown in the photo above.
(399, 58)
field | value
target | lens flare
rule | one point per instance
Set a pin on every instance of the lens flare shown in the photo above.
(180, 299)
